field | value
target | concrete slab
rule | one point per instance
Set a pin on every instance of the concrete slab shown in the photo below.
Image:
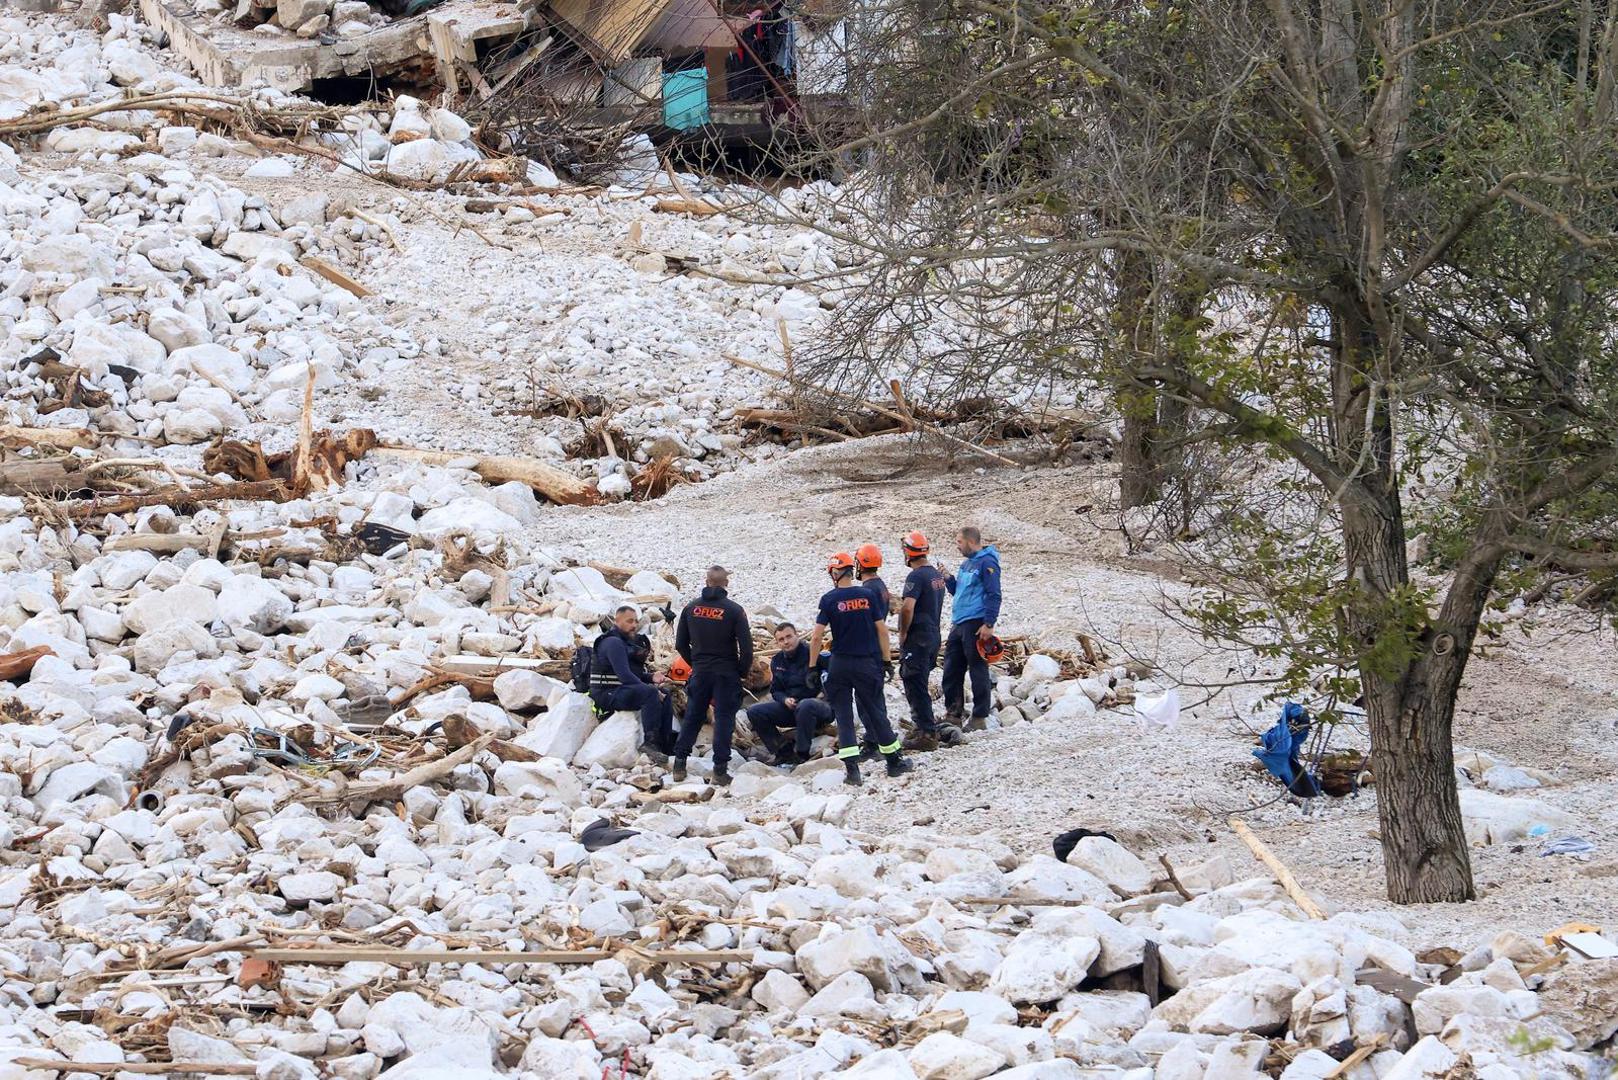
(226, 56)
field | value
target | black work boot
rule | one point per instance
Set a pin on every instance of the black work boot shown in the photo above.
(654, 755)
(922, 740)
(898, 766)
(852, 776)
(721, 776)
(869, 752)
(679, 769)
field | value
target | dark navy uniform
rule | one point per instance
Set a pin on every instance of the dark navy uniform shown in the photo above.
(791, 680)
(713, 636)
(619, 680)
(856, 668)
(918, 653)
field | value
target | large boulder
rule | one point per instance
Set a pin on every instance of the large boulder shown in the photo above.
(1496, 819)
(1042, 966)
(1258, 1000)
(563, 730)
(251, 603)
(1113, 864)
(837, 951)
(614, 744)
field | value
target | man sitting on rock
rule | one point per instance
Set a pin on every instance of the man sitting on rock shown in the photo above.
(796, 701)
(619, 680)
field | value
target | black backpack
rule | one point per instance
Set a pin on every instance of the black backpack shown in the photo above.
(579, 668)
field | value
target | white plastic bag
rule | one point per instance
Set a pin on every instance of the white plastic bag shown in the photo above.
(1158, 713)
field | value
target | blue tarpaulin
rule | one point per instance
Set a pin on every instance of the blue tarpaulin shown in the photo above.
(1282, 750)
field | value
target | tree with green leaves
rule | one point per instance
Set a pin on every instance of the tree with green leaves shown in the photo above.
(1368, 241)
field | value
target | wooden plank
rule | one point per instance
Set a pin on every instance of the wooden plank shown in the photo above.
(144, 1068)
(1278, 868)
(333, 275)
(609, 29)
(339, 955)
(1388, 982)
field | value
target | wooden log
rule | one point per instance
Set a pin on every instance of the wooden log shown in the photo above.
(258, 491)
(16, 436)
(144, 1068)
(50, 477)
(553, 483)
(17, 665)
(159, 543)
(339, 955)
(1278, 868)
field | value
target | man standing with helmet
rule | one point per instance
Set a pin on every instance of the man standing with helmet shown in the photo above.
(713, 636)
(859, 649)
(868, 559)
(976, 589)
(921, 607)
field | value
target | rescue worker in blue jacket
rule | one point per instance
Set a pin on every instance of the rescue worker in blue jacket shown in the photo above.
(619, 680)
(868, 559)
(860, 648)
(976, 589)
(795, 700)
(712, 636)
(921, 607)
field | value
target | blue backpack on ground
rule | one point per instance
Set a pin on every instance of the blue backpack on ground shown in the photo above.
(1282, 749)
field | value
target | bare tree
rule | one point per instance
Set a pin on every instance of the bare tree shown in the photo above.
(1410, 206)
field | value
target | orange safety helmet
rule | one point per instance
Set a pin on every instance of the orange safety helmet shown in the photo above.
(914, 543)
(869, 556)
(993, 651)
(838, 563)
(679, 671)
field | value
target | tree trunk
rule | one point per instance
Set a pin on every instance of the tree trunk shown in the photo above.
(1410, 669)
(1132, 331)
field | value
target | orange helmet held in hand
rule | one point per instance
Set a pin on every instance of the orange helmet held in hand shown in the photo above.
(679, 671)
(838, 563)
(993, 650)
(869, 556)
(914, 544)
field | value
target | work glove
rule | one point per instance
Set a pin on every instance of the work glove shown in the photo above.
(887, 671)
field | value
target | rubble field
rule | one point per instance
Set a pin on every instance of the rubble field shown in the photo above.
(292, 783)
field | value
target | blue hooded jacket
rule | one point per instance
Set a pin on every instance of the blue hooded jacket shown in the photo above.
(976, 587)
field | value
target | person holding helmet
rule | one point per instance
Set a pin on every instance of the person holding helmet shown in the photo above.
(859, 648)
(868, 560)
(795, 700)
(619, 680)
(976, 589)
(921, 607)
(712, 636)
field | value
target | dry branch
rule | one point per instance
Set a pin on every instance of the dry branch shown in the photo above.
(16, 437)
(421, 775)
(873, 406)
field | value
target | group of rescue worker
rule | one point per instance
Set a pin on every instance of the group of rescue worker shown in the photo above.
(838, 673)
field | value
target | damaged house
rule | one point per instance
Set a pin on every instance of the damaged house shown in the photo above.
(726, 72)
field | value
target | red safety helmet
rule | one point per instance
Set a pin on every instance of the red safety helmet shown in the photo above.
(869, 556)
(993, 650)
(838, 563)
(914, 543)
(679, 671)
